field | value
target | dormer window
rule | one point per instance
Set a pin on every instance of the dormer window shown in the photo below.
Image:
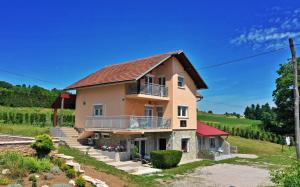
(180, 81)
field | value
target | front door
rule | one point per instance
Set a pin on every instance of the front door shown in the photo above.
(162, 143)
(140, 143)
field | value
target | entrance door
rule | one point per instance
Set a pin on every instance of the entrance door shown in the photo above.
(141, 146)
(162, 143)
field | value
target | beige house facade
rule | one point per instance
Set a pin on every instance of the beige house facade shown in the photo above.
(142, 105)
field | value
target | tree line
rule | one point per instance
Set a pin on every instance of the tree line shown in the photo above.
(26, 96)
(278, 119)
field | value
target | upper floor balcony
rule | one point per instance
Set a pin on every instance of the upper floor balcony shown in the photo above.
(147, 91)
(127, 122)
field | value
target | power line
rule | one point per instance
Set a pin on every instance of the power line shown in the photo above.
(242, 59)
(31, 77)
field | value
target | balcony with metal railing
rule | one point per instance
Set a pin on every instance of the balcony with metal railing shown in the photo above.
(148, 91)
(127, 122)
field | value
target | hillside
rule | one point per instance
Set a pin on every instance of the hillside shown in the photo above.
(232, 121)
(26, 95)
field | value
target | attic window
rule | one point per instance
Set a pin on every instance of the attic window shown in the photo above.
(180, 81)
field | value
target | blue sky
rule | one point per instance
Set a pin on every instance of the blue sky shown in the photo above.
(63, 41)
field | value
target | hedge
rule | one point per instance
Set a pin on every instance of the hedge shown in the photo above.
(165, 158)
(250, 133)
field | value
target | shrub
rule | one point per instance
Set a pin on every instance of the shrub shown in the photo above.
(44, 164)
(288, 177)
(57, 161)
(165, 158)
(71, 173)
(55, 170)
(43, 145)
(4, 181)
(80, 182)
(31, 165)
(64, 167)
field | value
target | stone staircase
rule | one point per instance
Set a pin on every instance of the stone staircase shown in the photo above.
(70, 135)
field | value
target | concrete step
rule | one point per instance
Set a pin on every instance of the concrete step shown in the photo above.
(128, 169)
(106, 160)
(124, 163)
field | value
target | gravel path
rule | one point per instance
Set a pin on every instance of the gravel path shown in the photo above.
(225, 175)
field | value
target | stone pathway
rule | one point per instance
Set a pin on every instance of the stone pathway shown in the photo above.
(225, 175)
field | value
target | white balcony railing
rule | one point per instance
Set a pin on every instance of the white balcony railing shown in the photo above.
(148, 89)
(128, 122)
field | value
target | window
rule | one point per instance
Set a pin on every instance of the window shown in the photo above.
(180, 82)
(212, 142)
(98, 110)
(182, 111)
(185, 144)
(182, 123)
(162, 81)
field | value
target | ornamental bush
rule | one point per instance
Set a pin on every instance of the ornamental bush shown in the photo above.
(71, 173)
(43, 145)
(80, 182)
(165, 158)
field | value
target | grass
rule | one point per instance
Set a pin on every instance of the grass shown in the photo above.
(228, 120)
(146, 180)
(22, 130)
(270, 155)
(32, 110)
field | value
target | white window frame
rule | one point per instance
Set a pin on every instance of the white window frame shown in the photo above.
(94, 113)
(183, 82)
(161, 77)
(181, 112)
(187, 145)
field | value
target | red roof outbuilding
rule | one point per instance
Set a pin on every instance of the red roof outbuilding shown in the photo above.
(206, 130)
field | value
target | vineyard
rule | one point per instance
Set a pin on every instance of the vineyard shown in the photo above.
(33, 116)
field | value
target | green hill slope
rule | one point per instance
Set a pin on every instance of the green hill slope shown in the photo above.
(228, 120)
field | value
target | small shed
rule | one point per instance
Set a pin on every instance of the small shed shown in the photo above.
(211, 141)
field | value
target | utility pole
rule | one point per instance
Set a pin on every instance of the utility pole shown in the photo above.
(296, 97)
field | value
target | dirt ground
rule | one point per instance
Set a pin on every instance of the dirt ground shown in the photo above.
(225, 175)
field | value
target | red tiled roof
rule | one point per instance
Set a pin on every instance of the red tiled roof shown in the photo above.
(206, 130)
(130, 71)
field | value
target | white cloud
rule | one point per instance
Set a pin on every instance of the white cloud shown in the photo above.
(273, 34)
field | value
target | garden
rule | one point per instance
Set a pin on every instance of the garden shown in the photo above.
(40, 169)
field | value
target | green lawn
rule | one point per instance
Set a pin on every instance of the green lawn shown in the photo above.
(228, 120)
(22, 130)
(270, 155)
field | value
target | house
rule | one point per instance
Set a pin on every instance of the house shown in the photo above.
(141, 105)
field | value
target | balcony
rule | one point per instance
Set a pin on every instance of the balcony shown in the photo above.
(147, 91)
(127, 122)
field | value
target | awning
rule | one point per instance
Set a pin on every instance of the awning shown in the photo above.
(206, 130)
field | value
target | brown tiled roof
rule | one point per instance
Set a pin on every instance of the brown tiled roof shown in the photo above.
(127, 71)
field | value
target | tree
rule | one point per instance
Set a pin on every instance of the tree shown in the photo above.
(283, 98)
